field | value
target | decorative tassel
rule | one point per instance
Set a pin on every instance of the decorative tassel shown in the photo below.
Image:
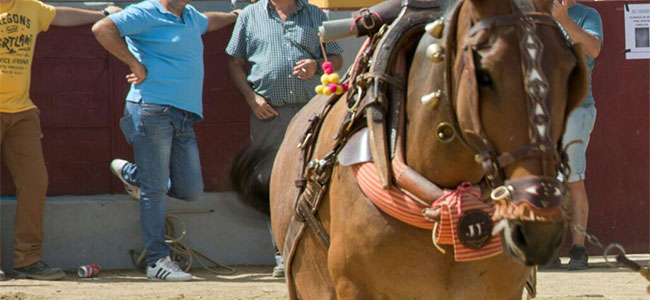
(330, 82)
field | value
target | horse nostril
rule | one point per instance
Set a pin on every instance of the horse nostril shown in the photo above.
(518, 236)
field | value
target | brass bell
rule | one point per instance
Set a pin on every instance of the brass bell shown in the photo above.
(436, 53)
(430, 101)
(435, 28)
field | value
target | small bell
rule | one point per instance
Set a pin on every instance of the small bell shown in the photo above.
(436, 53)
(430, 101)
(435, 28)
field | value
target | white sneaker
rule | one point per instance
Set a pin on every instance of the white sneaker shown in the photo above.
(166, 269)
(116, 167)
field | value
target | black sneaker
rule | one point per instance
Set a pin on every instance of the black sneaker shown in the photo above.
(556, 263)
(40, 271)
(579, 258)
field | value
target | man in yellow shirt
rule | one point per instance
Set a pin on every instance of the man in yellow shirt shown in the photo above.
(20, 131)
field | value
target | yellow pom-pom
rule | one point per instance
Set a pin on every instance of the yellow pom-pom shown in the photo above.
(319, 89)
(339, 89)
(327, 92)
(324, 79)
(334, 78)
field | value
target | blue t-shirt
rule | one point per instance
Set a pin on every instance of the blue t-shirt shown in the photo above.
(172, 51)
(589, 20)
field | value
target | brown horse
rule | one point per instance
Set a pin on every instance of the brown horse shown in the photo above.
(500, 137)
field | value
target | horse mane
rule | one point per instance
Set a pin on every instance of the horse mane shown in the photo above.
(250, 173)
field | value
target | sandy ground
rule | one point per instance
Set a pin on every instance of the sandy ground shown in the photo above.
(255, 282)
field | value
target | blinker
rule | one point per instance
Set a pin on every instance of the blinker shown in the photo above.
(436, 53)
(435, 28)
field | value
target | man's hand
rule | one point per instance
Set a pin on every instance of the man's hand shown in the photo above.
(305, 68)
(262, 109)
(560, 11)
(139, 73)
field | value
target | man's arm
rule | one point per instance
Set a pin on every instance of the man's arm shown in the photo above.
(69, 16)
(258, 104)
(218, 20)
(109, 37)
(591, 44)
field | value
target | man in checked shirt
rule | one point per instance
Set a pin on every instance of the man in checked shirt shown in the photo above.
(279, 40)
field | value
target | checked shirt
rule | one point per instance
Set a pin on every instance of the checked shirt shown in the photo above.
(273, 47)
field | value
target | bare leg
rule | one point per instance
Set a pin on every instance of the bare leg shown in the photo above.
(579, 209)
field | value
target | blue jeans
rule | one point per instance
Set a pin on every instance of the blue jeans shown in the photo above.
(166, 163)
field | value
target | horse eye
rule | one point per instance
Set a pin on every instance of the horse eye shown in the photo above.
(483, 78)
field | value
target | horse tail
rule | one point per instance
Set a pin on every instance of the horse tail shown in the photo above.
(250, 174)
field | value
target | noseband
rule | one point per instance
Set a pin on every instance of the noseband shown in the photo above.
(542, 194)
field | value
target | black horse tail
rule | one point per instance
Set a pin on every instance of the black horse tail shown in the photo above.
(250, 174)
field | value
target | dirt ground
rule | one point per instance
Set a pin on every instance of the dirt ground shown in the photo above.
(255, 282)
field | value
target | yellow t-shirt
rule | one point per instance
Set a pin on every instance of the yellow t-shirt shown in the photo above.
(20, 23)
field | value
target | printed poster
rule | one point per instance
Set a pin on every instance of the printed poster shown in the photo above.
(637, 31)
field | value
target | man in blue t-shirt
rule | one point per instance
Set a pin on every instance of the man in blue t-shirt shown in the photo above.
(160, 41)
(583, 25)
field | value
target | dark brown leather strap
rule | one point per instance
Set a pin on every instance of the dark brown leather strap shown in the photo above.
(528, 152)
(297, 224)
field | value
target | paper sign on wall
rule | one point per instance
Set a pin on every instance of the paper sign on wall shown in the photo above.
(637, 31)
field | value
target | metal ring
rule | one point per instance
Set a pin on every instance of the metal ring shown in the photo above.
(608, 249)
(366, 26)
(355, 105)
(499, 193)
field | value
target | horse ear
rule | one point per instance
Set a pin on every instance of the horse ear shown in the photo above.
(578, 80)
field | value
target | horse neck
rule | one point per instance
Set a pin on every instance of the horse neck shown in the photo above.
(446, 164)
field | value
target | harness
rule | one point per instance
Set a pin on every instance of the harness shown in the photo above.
(373, 84)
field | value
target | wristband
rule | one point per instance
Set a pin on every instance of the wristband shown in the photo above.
(105, 12)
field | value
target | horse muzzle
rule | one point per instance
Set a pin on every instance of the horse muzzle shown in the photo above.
(536, 222)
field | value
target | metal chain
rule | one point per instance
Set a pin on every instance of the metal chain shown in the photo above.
(590, 237)
(621, 258)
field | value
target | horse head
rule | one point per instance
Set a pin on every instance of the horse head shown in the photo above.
(497, 116)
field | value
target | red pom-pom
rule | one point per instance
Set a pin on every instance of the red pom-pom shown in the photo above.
(332, 87)
(345, 87)
(327, 65)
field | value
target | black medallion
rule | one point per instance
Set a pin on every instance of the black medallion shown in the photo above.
(475, 229)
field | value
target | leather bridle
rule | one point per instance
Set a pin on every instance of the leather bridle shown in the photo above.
(544, 192)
